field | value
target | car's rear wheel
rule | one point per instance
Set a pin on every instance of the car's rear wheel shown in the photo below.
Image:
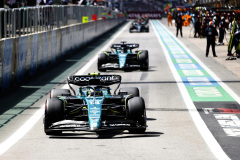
(54, 112)
(143, 60)
(134, 91)
(59, 92)
(136, 111)
(144, 66)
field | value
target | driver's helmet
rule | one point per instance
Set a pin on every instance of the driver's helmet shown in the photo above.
(98, 92)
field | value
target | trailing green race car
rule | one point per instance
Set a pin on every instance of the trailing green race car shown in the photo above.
(94, 108)
(139, 27)
(123, 57)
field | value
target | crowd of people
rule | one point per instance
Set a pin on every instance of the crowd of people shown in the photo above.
(209, 25)
(26, 3)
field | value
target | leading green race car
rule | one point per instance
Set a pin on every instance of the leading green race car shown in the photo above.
(123, 57)
(94, 108)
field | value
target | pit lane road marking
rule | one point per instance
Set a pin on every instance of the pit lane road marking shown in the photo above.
(167, 41)
(227, 120)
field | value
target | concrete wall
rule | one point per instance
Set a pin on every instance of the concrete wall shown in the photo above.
(22, 57)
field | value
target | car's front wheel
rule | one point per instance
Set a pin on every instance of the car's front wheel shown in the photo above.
(102, 59)
(54, 112)
(143, 60)
(136, 111)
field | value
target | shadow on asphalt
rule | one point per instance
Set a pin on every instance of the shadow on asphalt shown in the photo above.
(106, 135)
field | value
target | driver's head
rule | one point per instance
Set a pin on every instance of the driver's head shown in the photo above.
(97, 92)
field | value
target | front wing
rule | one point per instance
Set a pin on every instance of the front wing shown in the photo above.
(136, 29)
(113, 62)
(71, 125)
(113, 66)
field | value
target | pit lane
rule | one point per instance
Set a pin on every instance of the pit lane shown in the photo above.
(169, 121)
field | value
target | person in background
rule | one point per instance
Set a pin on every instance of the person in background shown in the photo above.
(211, 33)
(215, 21)
(231, 26)
(203, 27)
(45, 2)
(169, 17)
(82, 2)
(197, 27)
(94, 2)
(235, 42)
(221, 31)
(179, 23)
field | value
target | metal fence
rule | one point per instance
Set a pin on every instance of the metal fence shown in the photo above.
(21, 21)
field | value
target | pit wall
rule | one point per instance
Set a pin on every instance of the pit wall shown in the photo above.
(23, 57)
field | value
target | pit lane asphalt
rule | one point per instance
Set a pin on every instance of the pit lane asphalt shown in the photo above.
(170, 126)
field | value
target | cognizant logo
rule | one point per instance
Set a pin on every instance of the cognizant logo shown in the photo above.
(102, 78)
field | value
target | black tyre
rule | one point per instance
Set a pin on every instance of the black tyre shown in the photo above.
(144, 66)
(102, 59)
(143, 56)
(59, 92)
(147, 29)
(54, 112)
(130, 29)
(134, 91)
(137, 112)
(143, 60)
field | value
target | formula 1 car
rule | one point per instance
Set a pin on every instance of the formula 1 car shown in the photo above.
(94, 108)
(122, 57)
(139, 26)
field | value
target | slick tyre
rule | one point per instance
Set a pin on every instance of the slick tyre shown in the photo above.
(102, 59)
(143, 56)
(147, 30)
(143, 60)
(54, 112)
(134, 91)
(136, 111)
(59, 92)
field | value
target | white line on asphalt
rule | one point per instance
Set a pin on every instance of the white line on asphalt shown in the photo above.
(15, 137)
(201, 126)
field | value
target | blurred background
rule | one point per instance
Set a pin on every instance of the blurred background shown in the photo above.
(130, 5)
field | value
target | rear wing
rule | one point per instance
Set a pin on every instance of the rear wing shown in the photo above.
(94, 79)
(126, 46)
